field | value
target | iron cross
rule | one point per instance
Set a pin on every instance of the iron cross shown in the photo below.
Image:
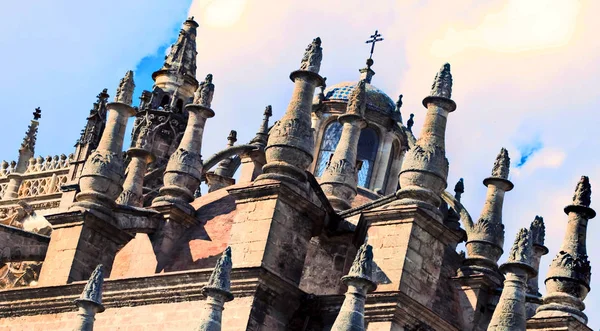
(374, 38)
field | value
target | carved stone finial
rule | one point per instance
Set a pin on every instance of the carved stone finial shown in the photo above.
(204, 94)
(268, 111)
(357, 101)
(312, 56)
(459, 188)
(501, 165)
(537, 230)
(37, 114)
(232, 137)
(442, 84)
(145, 99)
(363, 263)
(399, 102)
(583, 192)
(410, 122)
(125, 89)
(521, 250)
(220, 278)
(92, 292)
(28, 143)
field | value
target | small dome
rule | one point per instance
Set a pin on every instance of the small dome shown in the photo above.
(376, 98)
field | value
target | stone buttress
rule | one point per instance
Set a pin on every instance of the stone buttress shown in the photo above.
(88, 234)
(276, 217)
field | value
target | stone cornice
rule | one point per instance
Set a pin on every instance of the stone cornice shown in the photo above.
(408, 214)
(390, 306)
(137, 291)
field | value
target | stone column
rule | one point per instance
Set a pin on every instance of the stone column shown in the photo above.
(538, 232)
(339, 180)
(90, 301)
(510, 313)
(26, 152)
(568, 281)
(217, 292)
(290, 147)
(425, 167)
(359, 281)
(102, 174)
(486, 237)
(133, 187)
(182, 176)
(184, 169)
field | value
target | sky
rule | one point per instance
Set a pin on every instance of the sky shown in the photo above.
(525, 78)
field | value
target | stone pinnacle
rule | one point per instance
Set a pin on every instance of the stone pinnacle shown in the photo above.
(537, 229)
(583, 192)
(363, 263)
(220, 278)
(125, 89)
(521, 250)
(442, 84)
(92, 292)
(501, 165)
(357, 101)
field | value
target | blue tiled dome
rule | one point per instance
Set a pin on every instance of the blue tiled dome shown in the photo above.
(376, 98)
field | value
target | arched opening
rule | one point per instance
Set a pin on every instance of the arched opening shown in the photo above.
(165, 101)
(368, 143)
(179, 105)
(388, 172)
(331, 137)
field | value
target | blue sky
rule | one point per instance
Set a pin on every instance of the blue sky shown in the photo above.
(525, 79)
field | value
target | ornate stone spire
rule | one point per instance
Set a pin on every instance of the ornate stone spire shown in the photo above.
(290, 147)
(425, 168)
(537, 230)
(262, 135)
(102, 175)
(311, 61)
(359, 282)
(90, 301)
(28, 143)
(510, 313)
(96, 122)
(486, 238)
(182, 55)
(204, 94)
(25, 153)
(217, 292)
(125, 89)
(339, 180)
(568, 281)
(442, 84)
(184, 169)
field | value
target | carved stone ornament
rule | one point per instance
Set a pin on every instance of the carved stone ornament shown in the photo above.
(125, 89)
(92, 291)
(311, 61)
(442, 84)
(583, 192)
(537, 230)
(362, 267)
(357, 101)
(501, 165)
(522, 249)
(204, 94)
(220, 278)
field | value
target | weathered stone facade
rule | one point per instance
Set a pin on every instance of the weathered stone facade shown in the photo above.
(339, 219)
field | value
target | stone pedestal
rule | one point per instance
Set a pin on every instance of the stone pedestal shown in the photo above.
(86, 315)
(80, 241)
(251, 166)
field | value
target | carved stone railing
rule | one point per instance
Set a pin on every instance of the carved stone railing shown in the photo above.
(42, 178)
